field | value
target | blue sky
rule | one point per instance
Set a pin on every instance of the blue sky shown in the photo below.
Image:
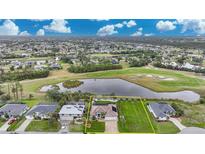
(112, 27)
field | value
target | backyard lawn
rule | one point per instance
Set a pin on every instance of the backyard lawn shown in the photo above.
(133, 118)
(96, 127)
(43, 126)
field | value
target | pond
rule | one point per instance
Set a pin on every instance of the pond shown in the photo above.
(121, 87)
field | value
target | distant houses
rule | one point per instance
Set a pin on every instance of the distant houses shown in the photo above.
(161, 111)
(13, 110)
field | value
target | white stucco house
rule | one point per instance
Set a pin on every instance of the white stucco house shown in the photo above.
(70, 112)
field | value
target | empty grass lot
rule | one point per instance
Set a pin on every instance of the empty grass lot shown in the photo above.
(133, 118)
(43, 126)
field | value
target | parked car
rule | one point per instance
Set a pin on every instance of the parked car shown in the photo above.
(11, 121)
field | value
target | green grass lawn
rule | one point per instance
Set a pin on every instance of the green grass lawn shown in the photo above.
(165, 127)
(96, 127)
(133, 118)
(43, 126)
(76, 128)
(2, 121)
(30, 102)
(16, 124)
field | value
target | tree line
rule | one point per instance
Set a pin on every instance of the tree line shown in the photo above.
(93, 68)
(22, 75)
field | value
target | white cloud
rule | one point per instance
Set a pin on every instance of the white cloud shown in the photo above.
(24, 33)
(107, 30)
(149, 34)
(9, 28)
(119, 25)
(138, 32)
(40, 32)
(165, 25)
(130, 23)
(58, 25)
(196, 25)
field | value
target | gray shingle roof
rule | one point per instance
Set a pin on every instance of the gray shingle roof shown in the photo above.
(13, 109)
(161, 109)
(42, 109)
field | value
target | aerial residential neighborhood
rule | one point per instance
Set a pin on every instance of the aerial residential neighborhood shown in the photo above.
(103, 83)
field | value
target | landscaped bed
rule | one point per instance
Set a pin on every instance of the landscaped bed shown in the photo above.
(43, 126)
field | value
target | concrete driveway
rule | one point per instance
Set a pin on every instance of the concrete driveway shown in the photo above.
(24, 125)
(64, 127)
(177, 123)
(4, 127)
(111, 126)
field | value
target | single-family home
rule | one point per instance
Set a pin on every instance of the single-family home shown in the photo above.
(13, 110)
(104, 112)
(70, 112)
(42, 111)
(161, 111)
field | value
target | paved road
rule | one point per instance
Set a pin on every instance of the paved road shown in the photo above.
(177, 123)
(4, 127)
(24, 125)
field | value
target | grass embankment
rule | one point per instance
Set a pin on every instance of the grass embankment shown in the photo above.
(133, 119)
(43, 126)
(16, 124)
(72, 83)
(96, 127)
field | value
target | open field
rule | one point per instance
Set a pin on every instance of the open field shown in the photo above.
(132, 118)
(43, 126)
